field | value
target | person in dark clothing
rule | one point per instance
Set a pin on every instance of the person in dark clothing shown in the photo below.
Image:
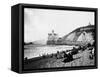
(68, 57)
(74, 51)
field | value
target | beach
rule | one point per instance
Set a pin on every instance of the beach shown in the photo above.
(81, 58)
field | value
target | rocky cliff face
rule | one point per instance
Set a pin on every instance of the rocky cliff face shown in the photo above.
(80, 35)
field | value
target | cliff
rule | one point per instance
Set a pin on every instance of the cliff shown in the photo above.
(79, 36)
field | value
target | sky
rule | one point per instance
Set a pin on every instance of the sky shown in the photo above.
(39, 22)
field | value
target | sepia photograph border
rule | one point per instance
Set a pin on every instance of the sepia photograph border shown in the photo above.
(54, 7)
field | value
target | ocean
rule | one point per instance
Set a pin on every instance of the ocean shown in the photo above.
(36, 51)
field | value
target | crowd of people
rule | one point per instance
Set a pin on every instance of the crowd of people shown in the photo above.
(68, 54)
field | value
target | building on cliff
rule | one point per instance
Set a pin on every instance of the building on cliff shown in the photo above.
(52, 38)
